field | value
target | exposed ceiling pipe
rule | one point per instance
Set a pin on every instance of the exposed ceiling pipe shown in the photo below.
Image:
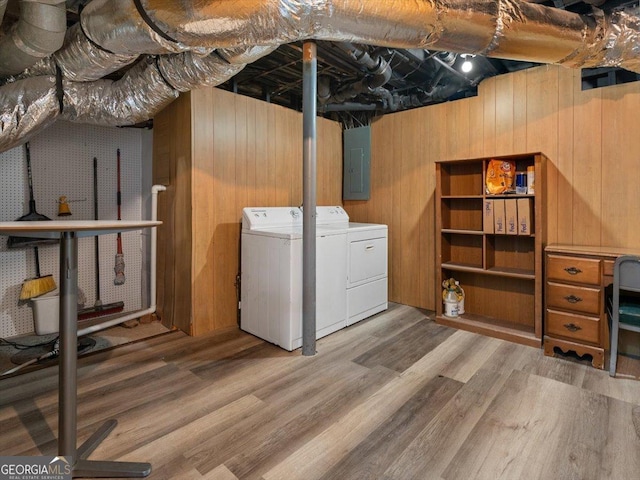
(324, 89)
(378, 73)
(446, 66)
(38, 33)
(348, 107)
(118, 31)
(436, 80)
(377, 67)
(436, 94)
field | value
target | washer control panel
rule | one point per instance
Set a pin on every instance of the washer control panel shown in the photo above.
(254, 218)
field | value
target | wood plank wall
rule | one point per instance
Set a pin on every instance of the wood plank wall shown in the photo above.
(242, 152)
(171, 164)
(589, 136)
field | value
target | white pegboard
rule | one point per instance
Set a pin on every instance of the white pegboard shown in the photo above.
(62, 164)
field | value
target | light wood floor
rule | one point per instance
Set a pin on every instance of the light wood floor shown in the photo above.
(393, 397)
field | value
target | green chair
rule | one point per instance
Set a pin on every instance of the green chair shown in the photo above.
(624, 307)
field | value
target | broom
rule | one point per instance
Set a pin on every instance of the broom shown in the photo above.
(38, 285)
(99, 309)
(119, 266)
(32, 216)
(34, 287)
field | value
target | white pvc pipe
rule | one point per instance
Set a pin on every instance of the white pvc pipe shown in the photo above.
(152, 281)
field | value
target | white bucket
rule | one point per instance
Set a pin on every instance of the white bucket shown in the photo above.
(46, 312)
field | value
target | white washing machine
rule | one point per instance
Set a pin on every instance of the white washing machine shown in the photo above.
(271, 276)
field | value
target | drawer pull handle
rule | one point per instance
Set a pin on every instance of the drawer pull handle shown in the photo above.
(369, 247)
(572, 299)
(572, 270)
(572, 327)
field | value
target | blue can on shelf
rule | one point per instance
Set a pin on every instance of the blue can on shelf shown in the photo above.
(521, 183)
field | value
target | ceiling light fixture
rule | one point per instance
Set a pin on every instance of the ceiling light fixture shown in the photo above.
(467, 66)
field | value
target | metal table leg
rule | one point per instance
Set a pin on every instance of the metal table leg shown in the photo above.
(67, 383)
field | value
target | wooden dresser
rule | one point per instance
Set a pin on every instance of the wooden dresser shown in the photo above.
(575, 314)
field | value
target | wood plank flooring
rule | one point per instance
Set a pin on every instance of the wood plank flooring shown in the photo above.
(393, 397)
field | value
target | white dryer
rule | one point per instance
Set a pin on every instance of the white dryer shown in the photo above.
(367, 270)
(367, 262)
(271, 276)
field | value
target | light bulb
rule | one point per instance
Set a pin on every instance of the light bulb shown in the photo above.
(466, 66)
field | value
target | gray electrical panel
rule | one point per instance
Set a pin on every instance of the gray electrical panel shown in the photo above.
(356, 148)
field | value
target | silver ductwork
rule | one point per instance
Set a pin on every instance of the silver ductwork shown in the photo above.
(178, 39)
(3, 7)
(38, 33)
(504, 28)
(26, 107)
(30, 104)
(121, 102)
(81, 59)
(149, 86)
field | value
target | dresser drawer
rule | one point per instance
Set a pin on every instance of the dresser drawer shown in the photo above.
(577, 327)
(572, 297)
(573, 269)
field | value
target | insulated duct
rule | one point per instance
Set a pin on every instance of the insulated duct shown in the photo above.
(113, 33)
(503, 28)
(379, 73)
(3, 7)
(150, 86)
(38, 33)
(122, 102)
(26, 107)
(29, 104)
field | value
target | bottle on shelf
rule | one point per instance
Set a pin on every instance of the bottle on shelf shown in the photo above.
(453, 298)
(451, 304)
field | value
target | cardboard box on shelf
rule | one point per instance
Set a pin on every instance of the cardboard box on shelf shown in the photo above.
(487, 216)
(524, 216)
(499, 226)
(511, 216)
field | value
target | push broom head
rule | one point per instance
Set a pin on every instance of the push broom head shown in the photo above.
(34, 287)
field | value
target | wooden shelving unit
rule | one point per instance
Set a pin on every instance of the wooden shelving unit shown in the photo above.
(501, 274)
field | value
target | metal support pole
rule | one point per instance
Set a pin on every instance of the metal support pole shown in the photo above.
(309, 95)
(67, 420)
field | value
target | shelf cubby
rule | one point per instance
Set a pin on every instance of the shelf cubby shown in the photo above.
(464, 178)
(462, 249)
(510, 252)
(501, 274)
(462, 213)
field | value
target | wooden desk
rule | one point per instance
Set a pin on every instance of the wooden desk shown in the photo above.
(575, 305)
(68, 232)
